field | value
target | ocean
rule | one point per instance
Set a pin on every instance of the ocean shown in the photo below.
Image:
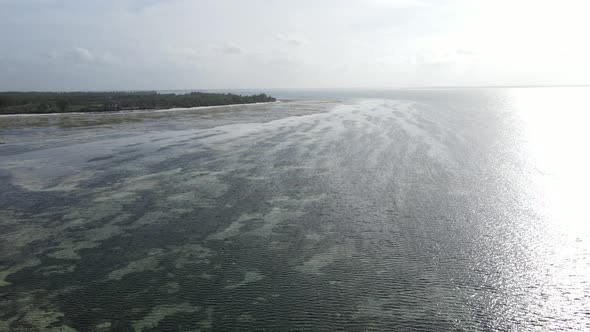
(422, 210)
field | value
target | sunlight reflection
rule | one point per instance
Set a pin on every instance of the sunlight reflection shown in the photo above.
(554, 135)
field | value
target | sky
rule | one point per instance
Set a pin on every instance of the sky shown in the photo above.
(229, 44)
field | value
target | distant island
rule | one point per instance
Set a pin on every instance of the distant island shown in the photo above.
(63, 102)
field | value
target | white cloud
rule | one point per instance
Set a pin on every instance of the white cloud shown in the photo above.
(292, 39)
(228, 48)
(184, 56)
(81, 55)
(444, 57)
(228, 43)
(398, 3)
(464, 51)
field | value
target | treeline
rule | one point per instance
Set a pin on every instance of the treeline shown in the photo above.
(61, 102)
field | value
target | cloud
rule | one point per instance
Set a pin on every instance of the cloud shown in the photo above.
(399, 3)
(355, 42)
(228, 48)
(142, 4)
(443, 56)
(390, 31)
(292, 39)
(185, 56)
(80, 55)
(464, 51)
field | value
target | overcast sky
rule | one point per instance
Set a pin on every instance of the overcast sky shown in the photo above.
(182, 44)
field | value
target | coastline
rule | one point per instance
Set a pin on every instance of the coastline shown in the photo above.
(161, 110)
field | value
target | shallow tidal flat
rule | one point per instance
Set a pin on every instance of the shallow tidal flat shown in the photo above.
(136, 221)
(360, 215)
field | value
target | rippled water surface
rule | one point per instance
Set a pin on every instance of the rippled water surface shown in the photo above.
(374, 210)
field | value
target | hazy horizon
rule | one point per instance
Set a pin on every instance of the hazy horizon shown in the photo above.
(164, 90)
(53, 45)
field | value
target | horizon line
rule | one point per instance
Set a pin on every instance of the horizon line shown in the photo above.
(433, 87)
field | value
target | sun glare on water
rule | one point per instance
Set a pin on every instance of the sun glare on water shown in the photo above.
(555, 136)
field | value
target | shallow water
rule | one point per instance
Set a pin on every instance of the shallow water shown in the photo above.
(421, 210)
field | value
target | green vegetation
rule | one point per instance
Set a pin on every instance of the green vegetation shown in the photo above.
(61, 102)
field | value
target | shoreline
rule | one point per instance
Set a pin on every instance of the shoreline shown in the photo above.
(140, 111)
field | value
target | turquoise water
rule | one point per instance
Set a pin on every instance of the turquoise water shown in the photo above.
(344, 210)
